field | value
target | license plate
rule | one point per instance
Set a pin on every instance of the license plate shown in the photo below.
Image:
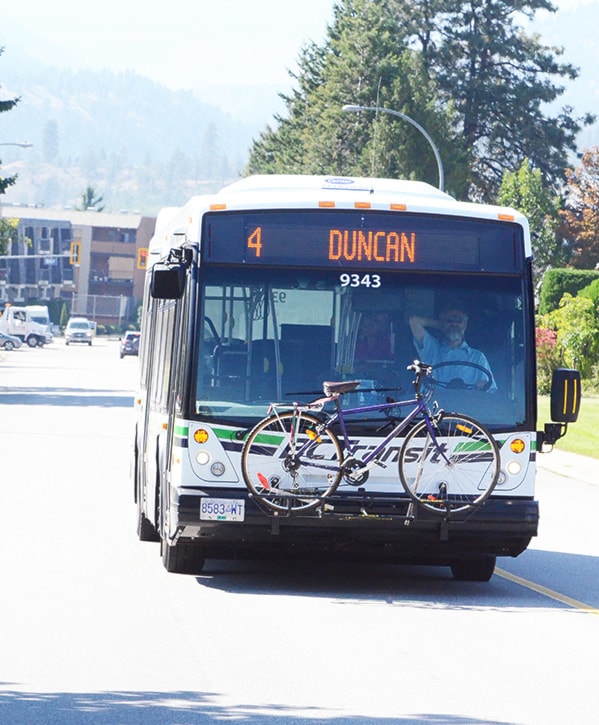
(222, 509)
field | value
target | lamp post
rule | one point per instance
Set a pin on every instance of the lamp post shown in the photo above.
(357, 109)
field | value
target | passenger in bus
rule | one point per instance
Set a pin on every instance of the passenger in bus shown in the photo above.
(451, 348)
(374, 337)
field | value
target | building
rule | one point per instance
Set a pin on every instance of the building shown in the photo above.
(93, 260)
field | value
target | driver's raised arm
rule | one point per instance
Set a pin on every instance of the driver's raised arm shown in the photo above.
(419, 324)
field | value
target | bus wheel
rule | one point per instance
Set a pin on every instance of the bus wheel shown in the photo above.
(479, 569)
(183, 558)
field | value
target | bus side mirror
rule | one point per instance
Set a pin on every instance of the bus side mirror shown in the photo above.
(565, 395)
(168, 281)
(565, 403)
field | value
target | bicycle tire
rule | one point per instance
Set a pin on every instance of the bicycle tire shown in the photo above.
(279, 480)
(458, 484)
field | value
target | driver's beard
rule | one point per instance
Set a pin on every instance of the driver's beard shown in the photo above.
(454, 336)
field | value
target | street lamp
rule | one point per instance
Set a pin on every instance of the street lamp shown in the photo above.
(357, 109)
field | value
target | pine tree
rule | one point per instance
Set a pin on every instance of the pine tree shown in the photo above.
(90, 201)
(363, 62)
(465, 71)
(500, 79)
(7, 105)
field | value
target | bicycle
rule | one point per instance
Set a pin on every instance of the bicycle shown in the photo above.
(292, 461)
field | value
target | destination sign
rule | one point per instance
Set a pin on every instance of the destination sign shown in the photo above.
(361, 240)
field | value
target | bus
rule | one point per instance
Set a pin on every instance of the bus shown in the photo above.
(262, 291)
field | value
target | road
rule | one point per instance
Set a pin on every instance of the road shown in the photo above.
(93, 630)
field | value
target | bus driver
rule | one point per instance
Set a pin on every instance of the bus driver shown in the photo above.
(451, 347)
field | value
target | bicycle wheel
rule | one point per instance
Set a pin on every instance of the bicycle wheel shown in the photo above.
(454, 473)
(288, 466)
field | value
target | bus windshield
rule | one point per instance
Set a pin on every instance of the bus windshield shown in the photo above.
(274, 335)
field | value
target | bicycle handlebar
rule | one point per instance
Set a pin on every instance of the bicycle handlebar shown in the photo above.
(420, 368)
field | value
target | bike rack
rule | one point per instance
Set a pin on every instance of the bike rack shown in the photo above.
(412, 513)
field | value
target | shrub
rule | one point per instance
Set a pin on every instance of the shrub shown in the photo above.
(548, 358)
(557, 282)
(577, 327)
(591, 291)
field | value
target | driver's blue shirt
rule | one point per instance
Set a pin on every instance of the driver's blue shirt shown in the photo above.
(434, 351)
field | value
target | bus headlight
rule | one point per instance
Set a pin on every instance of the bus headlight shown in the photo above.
(203, 457)
(514, 468)
(217, 468)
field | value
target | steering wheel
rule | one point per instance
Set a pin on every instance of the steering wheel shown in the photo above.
(457, 383)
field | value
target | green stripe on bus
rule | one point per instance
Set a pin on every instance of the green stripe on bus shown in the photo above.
(472, 446)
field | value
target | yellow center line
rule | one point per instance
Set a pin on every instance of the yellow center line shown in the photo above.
(546, 592)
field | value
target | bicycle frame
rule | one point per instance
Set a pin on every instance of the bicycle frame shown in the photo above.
(420, 408)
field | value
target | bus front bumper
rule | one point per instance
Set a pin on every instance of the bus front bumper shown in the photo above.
(373, 527)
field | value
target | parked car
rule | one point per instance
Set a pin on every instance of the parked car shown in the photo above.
(78, 329)
(9, 342)
(130, 344)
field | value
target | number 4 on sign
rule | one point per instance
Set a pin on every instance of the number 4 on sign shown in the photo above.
(255, 241)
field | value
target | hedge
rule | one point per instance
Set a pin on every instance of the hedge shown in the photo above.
(556, 282)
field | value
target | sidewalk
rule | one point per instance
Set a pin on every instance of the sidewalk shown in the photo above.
(569, 465)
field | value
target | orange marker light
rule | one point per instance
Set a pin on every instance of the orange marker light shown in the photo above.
(200, 436)
(517, 445)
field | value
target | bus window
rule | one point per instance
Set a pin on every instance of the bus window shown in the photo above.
(267, 338)
(480, 370)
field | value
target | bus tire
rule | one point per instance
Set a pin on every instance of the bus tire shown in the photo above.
(146, 531)
(479, 569)
(182, 558)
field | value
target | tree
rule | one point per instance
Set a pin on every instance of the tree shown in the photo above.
(581, 215)
(464, 70)
(50, 143)
(89, 200)
(8, 234)
(364, 62)
(500, 80)
(526, 191)
(7, 105)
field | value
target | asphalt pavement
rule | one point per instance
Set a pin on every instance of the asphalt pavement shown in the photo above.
(570, 465)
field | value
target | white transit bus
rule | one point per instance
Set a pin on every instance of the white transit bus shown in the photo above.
(262, 291)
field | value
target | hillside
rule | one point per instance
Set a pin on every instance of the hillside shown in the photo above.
(141, 145)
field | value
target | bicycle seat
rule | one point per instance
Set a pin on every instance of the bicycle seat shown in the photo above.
(340, 387)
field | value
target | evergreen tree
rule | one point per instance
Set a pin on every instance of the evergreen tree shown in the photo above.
(500, 79)
(50, 145)
(7, 105)
(363, 62)
(464, 70)
(90, 201)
